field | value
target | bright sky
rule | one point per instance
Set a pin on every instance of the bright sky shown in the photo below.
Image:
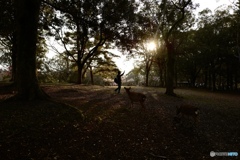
(212, 4)
(122, 62)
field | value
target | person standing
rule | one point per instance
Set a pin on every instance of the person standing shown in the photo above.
(119, 81)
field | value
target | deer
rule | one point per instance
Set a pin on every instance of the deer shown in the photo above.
(136, 97)
(187, 110)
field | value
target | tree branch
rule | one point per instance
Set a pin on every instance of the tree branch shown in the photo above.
(100, 43)
(65, 47)
(56, 7)
(182, 10)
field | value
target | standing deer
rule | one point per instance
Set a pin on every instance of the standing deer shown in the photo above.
(187, 110)
(136, 97)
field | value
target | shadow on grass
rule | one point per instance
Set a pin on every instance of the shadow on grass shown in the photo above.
(37, 129)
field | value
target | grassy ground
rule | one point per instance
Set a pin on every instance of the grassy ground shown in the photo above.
(111, 129)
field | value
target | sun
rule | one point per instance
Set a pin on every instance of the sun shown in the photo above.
(151, 46)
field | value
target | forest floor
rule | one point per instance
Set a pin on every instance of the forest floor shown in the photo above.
(97, 123)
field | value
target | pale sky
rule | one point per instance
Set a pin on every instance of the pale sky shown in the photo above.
(212, 4)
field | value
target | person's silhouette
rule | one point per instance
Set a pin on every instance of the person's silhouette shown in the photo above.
(119, 81)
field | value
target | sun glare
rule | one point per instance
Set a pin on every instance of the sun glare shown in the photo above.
(151, 46)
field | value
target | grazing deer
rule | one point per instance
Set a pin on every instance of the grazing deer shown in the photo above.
(187, 110)
(136, 97)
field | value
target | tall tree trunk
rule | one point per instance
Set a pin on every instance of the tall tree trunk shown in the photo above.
(147, 69)
(80, 70)
(147, 74)
(79, 56)
(170, 69)
(27, 23)
(79, 78)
